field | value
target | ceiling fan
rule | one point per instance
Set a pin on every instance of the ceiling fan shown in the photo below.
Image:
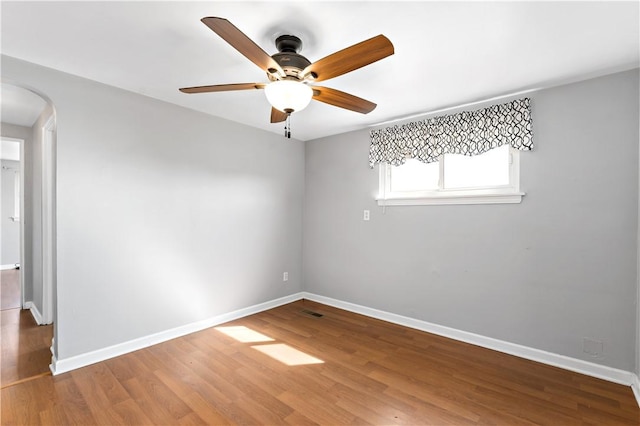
(289, 72)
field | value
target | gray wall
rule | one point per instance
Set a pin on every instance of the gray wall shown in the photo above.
(546, 273)
(32, 216)
(26, 134)
(36, 212)
(165, 216)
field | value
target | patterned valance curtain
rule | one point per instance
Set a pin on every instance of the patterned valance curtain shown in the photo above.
(466, 133)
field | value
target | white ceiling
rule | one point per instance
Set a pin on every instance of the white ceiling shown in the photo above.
(446, 53)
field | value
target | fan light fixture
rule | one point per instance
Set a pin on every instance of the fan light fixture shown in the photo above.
(288, 95)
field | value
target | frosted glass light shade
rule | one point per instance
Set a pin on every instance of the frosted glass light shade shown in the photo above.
(288, 95)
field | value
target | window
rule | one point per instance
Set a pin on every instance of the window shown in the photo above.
(492, 177)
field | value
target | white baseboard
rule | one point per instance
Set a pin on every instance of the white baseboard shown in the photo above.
(7, 267)
(579, 366)
(59, 366)
(635, 387)
(54, 358)
(34, 312)
(52, 366)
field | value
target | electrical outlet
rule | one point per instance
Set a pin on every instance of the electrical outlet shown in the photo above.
(365, 216)
(285, 276)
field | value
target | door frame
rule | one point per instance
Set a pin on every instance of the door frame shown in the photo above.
(48, 199)
(22, 163)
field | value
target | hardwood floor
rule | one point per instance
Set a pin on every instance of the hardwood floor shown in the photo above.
(24, 345)
(10, 289)
(372, 372)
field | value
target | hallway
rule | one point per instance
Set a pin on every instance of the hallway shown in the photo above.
(25, 345)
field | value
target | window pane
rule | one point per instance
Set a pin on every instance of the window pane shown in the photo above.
(414, 175)
(488, 169)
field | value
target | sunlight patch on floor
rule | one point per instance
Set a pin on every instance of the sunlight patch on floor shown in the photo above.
(244, 334)
(287, 355)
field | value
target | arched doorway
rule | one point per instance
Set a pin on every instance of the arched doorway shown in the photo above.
(28, 118)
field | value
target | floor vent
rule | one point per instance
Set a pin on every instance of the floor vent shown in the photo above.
(315, 314)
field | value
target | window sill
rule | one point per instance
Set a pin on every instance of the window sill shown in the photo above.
(443, 199)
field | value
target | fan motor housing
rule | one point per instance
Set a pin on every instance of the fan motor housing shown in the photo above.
(288, 57)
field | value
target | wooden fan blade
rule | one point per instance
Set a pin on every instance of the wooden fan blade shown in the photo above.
(277, 116)
(343, 100)
(222, 87)
(349, 59)
(243, 44)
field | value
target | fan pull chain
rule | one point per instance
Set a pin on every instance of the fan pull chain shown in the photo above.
(287, 127)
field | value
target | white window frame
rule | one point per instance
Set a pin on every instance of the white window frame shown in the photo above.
(506, 194)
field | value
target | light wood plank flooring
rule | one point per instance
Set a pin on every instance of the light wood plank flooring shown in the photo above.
(24, 346)
(10, 289)
(373, 372)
